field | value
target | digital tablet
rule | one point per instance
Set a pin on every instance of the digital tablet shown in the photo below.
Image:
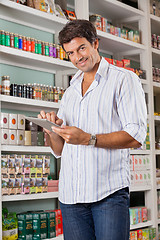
(42, 122)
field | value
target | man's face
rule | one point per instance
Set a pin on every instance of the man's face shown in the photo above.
(82, 54)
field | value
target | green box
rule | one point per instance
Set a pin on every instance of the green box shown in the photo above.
(51, 223)
(39, 225)
(25, 228)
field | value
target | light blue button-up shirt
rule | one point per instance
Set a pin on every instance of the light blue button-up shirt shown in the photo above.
(114, 101)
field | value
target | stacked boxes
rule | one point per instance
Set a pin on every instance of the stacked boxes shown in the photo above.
(40, 224)
(138, 215)
(104, 25)
(13, 126)
(146, 234)
(140, 174)
(26, 174)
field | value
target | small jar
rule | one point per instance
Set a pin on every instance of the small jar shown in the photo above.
(36, 46)
(58, 51)
(19, 90)
(51, 49)
(32, 45)
(158, 42)
(54, 51)
(43, 48)
(6, 85)
(3, 38)
(46, 49)
(39, 47)
(28, 44)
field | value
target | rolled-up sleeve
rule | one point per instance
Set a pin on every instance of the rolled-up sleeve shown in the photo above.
(131, 106)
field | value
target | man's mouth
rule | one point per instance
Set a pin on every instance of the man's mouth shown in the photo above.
(82, 62)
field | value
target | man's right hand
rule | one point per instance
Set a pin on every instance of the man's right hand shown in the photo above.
(52, 117)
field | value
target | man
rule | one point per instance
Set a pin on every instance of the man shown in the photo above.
(103, 114)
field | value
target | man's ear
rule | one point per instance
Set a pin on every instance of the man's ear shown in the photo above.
(96, 44)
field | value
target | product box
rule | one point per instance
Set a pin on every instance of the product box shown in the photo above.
(21, 122)
(32, 185)
(39, 165)
(4, 120)
(96, 20)
(60, 223)
(33, 161)
(145, 233)
(25, 229)
(5, 136)
(25, 185)
(133, 235)
(12, 137)
(27, 135)
(18, 184)
(117, 32)
(119, 63)
(13, 121)
(40, 138)
(46, 164)
(11, 186)
(139, 234)
(144, 214)
(5, 182)
(109, 60)
(11, 164)
(20, 137)
(40, 225)
(51, 223)
(38, 185)
(4, 164)
(18, 163)
(26, 165)
(126, 63)
(103, 24)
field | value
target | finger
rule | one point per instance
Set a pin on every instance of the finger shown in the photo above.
(53, 117)
(42, 113)
(39, 116)
(48, 116)
(59, 122)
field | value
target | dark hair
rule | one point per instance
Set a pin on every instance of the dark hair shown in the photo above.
(78, 28)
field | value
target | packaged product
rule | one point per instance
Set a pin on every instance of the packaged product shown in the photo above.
(59, 11)
(96, 20)
(9, 225)
(36, 4)
(30, 3)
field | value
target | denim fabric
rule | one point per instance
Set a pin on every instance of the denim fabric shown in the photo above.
(107, 219)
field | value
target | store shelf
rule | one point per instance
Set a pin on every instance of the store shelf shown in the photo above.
(25, 149)
(23, 104)
(140, 188)
(157, 152)
(155, 24)
(157, 118)
(34, 61)
(26, 197)
(141, 225)
(118, 44)
(108, 9)
(30, 17)
(156, 56)
(136, 152)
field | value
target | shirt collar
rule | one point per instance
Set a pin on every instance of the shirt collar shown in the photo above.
(102, 72)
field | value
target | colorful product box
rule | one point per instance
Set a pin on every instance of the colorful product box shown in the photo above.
(139, 234)
(18, 163)
(60, 223)
(11, 185)
(39, 165)
(145, 234)
(13, 121)
(46, 164)
(26, 185)
(33, 166)
(5, 182)
(4, 120)
(4, 164)
(11, 164)
(18, 184)
(25, 229)
(32, 185)
(126, 63)
(12, 137)
(40, 225)
(38, 185)
(45, 184)
(51, 223)
(144, 214)
(26, 165)
(5, 136)
(109, 60)
(133, 235)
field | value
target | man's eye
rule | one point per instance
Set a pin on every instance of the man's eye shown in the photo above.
(82, 48)
(70, 53)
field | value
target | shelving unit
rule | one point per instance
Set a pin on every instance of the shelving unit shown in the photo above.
(110, 44)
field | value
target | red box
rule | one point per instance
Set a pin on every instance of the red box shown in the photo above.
(109, 60)
(139, 234)
(144, 214)
(52, 189)
(53, 183)
(119, 63)
(103, 24)
(126, 63)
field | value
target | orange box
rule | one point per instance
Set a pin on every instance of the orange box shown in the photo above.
(126, 63)
(109, 60)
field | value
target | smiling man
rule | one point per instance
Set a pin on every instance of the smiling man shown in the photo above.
(103, 113)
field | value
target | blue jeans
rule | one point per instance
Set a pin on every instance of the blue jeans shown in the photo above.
(107, 219)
